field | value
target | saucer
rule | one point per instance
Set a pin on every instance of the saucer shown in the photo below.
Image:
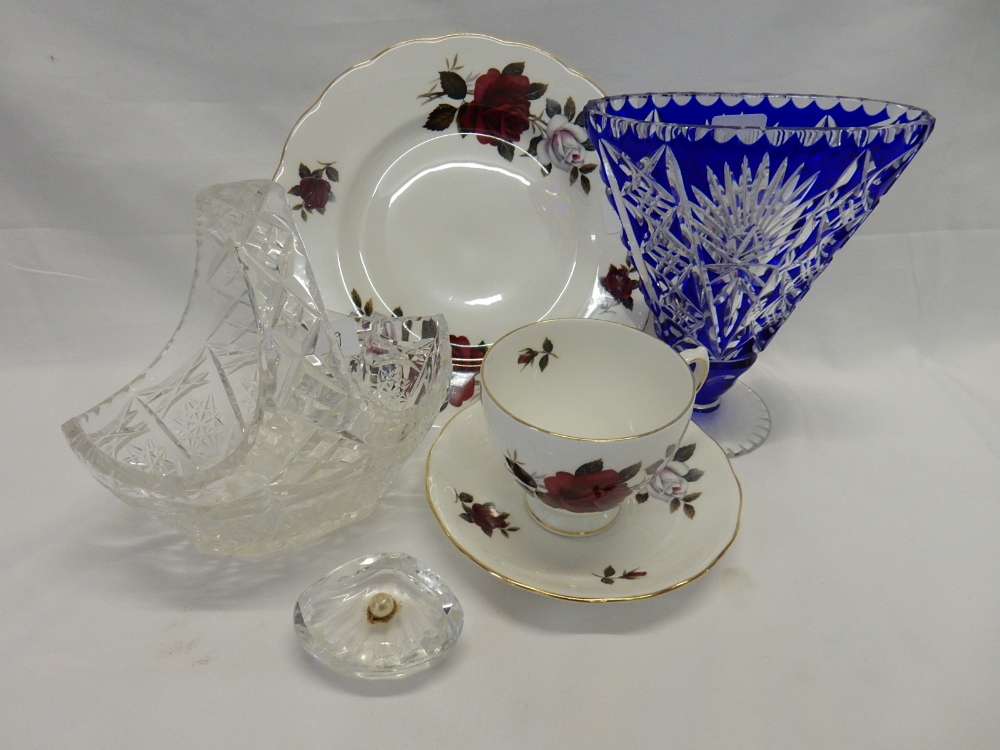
(454, 175)
(653, 547)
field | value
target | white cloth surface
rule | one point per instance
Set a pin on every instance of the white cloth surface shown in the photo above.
(858, 608)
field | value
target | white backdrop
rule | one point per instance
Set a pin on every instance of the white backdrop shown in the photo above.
(860, 605)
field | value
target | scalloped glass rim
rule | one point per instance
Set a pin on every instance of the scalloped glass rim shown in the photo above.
(902, 117)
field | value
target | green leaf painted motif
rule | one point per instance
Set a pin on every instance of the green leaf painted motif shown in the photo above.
(536, 91)
(591, 467)
(506, 150)
(533, 145)
(569, 110)
(684, 453)
(629, 471)
(441, 117)
(513, 69)
(453, 85)
(519, 473)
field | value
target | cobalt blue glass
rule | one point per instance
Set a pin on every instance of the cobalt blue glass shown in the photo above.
(732, 204)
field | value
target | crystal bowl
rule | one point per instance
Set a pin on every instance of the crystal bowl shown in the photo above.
(265, 423)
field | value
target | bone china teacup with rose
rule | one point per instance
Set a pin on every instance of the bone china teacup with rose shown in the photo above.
(585, 412)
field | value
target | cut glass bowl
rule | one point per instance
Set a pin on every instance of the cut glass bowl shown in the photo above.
(263, 424)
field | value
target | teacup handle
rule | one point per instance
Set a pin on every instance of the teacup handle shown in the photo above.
(697, 359)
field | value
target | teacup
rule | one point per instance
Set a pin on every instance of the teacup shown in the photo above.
(585, 412)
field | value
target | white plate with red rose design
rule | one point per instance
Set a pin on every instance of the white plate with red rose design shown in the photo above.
(664, 538)
(454, 175)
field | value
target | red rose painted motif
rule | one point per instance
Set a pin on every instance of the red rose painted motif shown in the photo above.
(620, 285)
(484, 515)
(315, 193)
(584, 493)
(314, 188)
(499, 114)
(499, 109)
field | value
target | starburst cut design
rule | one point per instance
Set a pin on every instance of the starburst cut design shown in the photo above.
(149, 457)
(731, 262)
(250, 432)
(200, 425)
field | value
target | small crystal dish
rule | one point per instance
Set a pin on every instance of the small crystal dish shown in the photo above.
(384, 615)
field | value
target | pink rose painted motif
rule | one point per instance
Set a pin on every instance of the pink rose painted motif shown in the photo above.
(671, 481)
(562, 146)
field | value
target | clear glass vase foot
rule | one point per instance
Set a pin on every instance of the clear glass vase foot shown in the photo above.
(740, 424)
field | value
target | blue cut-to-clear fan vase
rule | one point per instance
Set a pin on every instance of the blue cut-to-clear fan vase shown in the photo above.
(732, 204)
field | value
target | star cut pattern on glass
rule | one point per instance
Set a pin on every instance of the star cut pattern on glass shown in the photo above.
(728, 237)
(251, 431)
